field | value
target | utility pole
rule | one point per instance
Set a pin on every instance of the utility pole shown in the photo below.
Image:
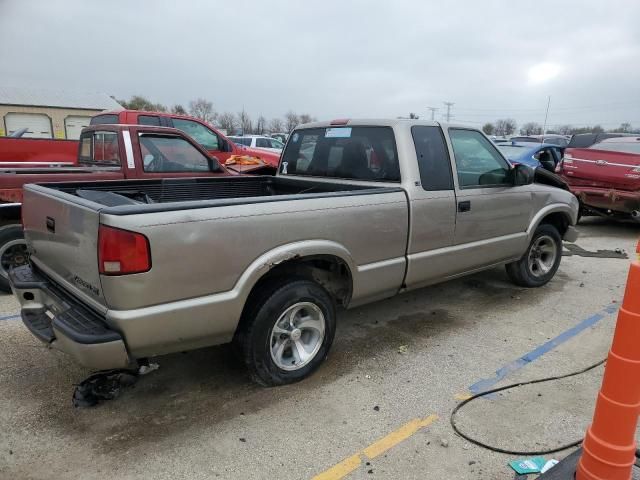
(448, 105)
(433, 112)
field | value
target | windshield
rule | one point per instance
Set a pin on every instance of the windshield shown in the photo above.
(361, 153)
(624, 147)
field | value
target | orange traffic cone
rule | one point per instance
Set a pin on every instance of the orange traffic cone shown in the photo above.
(609, 446)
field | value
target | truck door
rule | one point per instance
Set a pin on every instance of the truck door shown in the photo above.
(432, 209)
(492, 215)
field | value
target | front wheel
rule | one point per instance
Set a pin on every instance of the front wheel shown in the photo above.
(287, 331)
(541, 260)
(13, 253)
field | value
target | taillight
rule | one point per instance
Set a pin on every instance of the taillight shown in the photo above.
(121, 252)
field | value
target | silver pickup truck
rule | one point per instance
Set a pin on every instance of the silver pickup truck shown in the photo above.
(360, 210)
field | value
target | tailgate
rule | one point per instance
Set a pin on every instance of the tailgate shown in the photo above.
(604, 169)
(62, 232)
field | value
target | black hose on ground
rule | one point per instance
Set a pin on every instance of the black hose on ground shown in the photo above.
(507, 387)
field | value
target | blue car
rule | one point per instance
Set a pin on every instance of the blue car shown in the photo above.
(535, 155)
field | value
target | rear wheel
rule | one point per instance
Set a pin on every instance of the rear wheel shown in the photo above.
(286, 331)
(541, 260)
(13, 253)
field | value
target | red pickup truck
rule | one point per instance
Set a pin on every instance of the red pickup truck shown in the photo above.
(107, 152)
(605, 177)
(19, 150)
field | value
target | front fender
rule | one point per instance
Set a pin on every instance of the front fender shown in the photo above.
(569, 211)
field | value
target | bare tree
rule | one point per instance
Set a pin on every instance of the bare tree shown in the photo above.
(488, 128)
(413, 116)
(178, 110)
(261, 125)
(227, 122)
(505, 126)
(531, 128)
(245, 123)
(275, 125)
(305, 118)
(565, 129)
(291, 120)
(624, 127)
(202, 109)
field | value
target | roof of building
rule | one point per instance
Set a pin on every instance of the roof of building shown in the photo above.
(56, 98)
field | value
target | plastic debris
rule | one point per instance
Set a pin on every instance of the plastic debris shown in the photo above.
(144, 369)
(528, 465)
(549, 465)
(403, 349)
(100, 386)
(444, 442)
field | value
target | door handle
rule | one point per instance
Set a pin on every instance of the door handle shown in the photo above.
(464, 206)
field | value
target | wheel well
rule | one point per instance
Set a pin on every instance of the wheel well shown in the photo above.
(558, 220)
(327, 270)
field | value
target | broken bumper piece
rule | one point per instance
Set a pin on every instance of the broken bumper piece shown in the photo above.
(56, 318)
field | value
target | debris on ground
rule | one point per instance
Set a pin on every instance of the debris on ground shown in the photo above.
(243, 440)
(573, 249)
(444, 442)
(549, 465)
(101, 386)
(403, 349)
(528, 465)
(145, 369)
(376, 408)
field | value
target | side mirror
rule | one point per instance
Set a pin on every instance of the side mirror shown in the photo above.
(522, 175)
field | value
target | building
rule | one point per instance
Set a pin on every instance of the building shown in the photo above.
(49, 113)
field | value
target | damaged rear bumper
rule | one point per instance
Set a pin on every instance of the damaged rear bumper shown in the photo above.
(623, 201)
(57, 319)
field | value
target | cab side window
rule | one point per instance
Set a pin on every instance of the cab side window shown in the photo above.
(201, 134)
(433, 158)
(478, 162)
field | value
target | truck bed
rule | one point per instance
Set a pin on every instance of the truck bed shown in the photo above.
(140, 196)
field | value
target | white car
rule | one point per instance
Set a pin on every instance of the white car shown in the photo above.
(259, 141)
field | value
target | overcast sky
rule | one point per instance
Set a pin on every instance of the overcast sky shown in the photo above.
(338, 58)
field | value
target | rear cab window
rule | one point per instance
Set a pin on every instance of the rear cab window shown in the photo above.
(99, 149)
(357, 153)
(106, 119)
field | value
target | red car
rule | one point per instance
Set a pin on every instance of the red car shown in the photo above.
(605, 176)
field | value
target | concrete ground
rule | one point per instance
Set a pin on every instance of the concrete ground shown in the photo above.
(369, 412)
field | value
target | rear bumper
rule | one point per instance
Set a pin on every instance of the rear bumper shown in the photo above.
(607, 198)
(57, 319)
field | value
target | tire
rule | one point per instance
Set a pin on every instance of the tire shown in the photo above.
(13, 253)
(540, 262)
(270, 353)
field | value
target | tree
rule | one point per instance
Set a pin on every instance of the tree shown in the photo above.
(305, 118)
(624, 127)
(138, 102)
(275, 125)
(505, 126)
(227, 122)
(291, 121)
(531, 128)
(261, 125)
(488, 128)
(597, 129)
(565, 129)
(245, 123)
(413, 116)
(202, 109)
(178, 110)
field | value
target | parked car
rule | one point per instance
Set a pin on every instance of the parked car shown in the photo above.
(383, 207)
(535, 155)
(106, 152)
(259, 142)
(585, 140)
(605, 176)
(206, 135)
(551, 139)
(283, 137)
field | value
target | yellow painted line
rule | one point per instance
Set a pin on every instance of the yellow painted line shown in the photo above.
(348, 465)
(401, 434)
(341, 469)
(462, 396)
